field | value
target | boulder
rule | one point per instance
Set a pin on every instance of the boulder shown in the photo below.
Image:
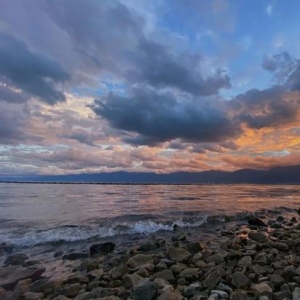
(118, 272)
(257, 222)
(102, 248)
(131, 280)
(179, 254)
(75, 255)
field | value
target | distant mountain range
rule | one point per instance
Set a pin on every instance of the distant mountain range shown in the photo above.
(279, 175)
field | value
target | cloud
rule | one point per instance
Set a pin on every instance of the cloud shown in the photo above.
(160, 117)
(31, 72)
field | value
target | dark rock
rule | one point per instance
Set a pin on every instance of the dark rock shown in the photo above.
(102, 248)
(245, 261)
(146, 290)
(281, 246)
(189, 273)
(240, 280)
(257, 237)
(16, 259)
(147, 247)
(166, 275)
(240, 295)
(257, 222)
(192, 289)
(10, 276)
(262, 289)
(58, 254)
(118, 272)
(179, 254)
(131, 280)
(160, 243)
(195, 247)
(212, 279)
(280, 219)
(75, 255)
(261, 259)
(140, 260)
(216, 258)
(276, 279)
(282, 295)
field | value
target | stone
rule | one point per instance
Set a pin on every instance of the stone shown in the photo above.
(147, 247)
(42, 285)
(146, 291)
(296, 293)
(276, 279)
(189, 273)
(200, 264)
(105, 292)
(139, 260)
(118, 272)
(102, 248)
(258, 270)
(195, 247)
(257, 237)
(72, 290)
(281, 246)
(75, 255)
(61, 297)
(179, 254)
(224, 287)
(166, 275)
(261, 259)
(239, 295)
(262, 289)
(257, 222)
(282, 295)
(264, 298)
(3, 294)
(170, 296)
(85, 296)
(244, 262)
(240, 280)
(78, 278)
(16, 259)
(192, 289)
(33, 296)
(222, 294)
(87, 265)
(216, 258)
(10, 276)
(212, 279)
(131, 280)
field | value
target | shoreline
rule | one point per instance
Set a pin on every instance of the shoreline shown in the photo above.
(258, 260)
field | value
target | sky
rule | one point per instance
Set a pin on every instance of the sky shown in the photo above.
(89, 86)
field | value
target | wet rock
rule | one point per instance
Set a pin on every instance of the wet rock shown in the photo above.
(179, 254)
(131, 280)
(245, 261)
(102, 248)
(147, 247)
(160, 242)
(195, 247)
(189, 273)
(75, 255)
(257, 237)
(262, 289)
(10, 276)
(216, 258)
(33, 296)
(166, 275)
(146, 290)
(212, 279)
(222, 294)
(257, 222)
(282, 295)
(281, 246)
(239, 295)
(240, 280)
(76, 279)
(16, 259)
(192, 289)
(139, 260)
(118, 272)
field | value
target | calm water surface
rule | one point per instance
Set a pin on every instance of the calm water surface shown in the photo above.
(32, 214)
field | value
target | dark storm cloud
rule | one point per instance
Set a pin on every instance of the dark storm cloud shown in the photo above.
(31, 72)
(159, 67)
(159, 117)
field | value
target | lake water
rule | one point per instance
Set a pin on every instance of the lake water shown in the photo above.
(33, 214)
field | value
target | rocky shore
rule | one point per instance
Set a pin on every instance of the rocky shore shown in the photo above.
(260, 260)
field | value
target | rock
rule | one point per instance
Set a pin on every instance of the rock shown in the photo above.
(257, 222)
(78, 278)
(212, 279)
(10, 276)
(296, 293)
(85, 296)
(280, 264)
(61, 297)
(160, 243)
(102, 248)
(189, 273)
(276, 279)
(3, 294)
(222, 294)
(257, 237)
(216, 258)
(33, 296)
(192, 289)
(145, 291)
(239, 295)
(170, 295)
(87, 265)
(195, 247)
(281, 246)
(42, 285)
(16, 259)
(58, 254)
(95, 274)
(282, 295)
(75, 255)
(147, 247)
(264, 298)
(224, 287)
(262, 289)
(245, 261)
(166, 275)
(105, 292)
(143, 272)
(261, 259)
(72, 290)
(179, 254)
(118, 272)
(139, 260)
(258, 270)
(240, 280)
(200, 264)
(131, 280)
